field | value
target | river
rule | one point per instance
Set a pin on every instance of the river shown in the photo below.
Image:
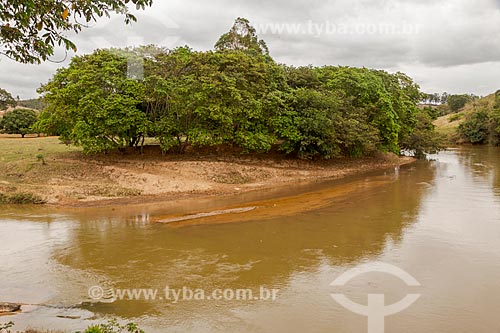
(437, 220)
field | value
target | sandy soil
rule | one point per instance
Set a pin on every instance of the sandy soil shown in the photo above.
(70, 179)
(139, 181)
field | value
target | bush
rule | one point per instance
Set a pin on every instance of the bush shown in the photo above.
(21, 199)
(476, 127)
(456, 117)
(423, 139)
(113, 327)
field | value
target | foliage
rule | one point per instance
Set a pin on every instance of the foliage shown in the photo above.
(482, 126)
(476, 127)
(18, 121)
(111, 326)
(435, 98)
(432, 111)
(497, 100)
(236, 96)
(114, 327)
(30, 29)
(242, 37)
(6, 99)
(457, 102)
(41, 158)
(456, 117)
(387, 102)
(93, 104)
(21, 199)
(423, 139)
(313, 131)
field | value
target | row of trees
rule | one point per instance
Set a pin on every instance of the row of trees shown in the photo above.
(235, 95)
(435, 98)
(448, 103)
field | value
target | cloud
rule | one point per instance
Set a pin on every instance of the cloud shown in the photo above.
(448, 37)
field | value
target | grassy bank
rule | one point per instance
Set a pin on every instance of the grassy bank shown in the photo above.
(448, 125)
(37, 170)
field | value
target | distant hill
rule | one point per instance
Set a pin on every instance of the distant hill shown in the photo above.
(35, 104)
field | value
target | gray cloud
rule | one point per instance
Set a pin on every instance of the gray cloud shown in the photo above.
(455, 39)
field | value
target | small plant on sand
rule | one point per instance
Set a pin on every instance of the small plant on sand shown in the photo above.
(5, 327)
(41, 158)
(114, 327)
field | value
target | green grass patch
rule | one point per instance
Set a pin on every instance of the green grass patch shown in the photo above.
(455, 117)
(28, 149)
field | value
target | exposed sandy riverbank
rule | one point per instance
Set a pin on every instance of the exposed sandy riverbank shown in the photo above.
(70, 179)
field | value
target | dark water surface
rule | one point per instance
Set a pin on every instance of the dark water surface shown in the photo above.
(439, 221)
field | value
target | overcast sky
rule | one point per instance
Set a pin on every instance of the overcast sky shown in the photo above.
(450, 45)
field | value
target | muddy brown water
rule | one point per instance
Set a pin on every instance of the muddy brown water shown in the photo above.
(439, 221)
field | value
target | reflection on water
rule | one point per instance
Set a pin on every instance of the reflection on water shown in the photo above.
(440, 221)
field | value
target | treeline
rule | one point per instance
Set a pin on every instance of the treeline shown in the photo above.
(482, 125)
(35, 104)
(235, 95)
(446, 103)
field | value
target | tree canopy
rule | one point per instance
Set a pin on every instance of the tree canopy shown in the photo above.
(236, 95)
(30, 29)
(457, 102)
(242, 37)
(18, 121)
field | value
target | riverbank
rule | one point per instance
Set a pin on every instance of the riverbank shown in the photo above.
(63, 176)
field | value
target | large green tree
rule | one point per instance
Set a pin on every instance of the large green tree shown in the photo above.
(93, 104)
(242, 37)
(30, 29)
(18, 121)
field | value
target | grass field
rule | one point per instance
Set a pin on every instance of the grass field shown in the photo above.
(13, 148)
(25, 166)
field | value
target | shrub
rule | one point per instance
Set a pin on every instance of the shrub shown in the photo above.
(456, 117)
(114, 327)
(21, 199)
(475, 129)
